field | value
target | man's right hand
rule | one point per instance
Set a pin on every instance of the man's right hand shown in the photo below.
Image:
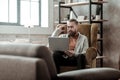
(61, 27)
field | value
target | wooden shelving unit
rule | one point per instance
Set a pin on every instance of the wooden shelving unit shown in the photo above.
(89, 3)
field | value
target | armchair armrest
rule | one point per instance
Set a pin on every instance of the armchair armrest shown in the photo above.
(91, 74)
(90, 55)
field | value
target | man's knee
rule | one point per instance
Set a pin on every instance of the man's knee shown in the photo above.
(57, 55)
(81, 61)
(81, 56)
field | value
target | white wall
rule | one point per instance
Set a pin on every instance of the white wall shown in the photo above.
(22, 30)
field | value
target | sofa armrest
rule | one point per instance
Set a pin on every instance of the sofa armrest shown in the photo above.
(30, 50)
(22, 68)
(90, 55)
(91, 74)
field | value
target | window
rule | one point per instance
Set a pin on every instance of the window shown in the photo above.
(44, 13)
(8, 11)
(21, 12)
(29, 12)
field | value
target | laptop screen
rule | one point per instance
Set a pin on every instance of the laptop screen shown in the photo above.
(58, 44)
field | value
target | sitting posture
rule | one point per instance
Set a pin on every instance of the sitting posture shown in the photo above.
(78, 44)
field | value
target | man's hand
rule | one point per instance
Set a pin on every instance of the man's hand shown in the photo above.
(61, 27)
(70, 53)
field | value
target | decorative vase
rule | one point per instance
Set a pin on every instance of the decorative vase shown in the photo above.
(97, 17)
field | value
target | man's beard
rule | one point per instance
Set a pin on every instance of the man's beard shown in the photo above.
(71, 33)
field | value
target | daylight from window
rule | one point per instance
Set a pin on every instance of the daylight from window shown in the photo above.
(8, 11)
(44, 13)
(29, 12)
(23, 12)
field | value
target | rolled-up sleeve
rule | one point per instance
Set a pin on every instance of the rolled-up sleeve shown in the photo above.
(85, 46)
(56, 32)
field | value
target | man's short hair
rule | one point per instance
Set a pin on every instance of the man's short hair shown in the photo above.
(73, 20)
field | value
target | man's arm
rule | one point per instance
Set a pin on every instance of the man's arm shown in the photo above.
(82, 46)
(56, 32)
(59, 29)
(85, 46)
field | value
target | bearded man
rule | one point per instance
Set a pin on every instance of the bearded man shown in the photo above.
(78, 44)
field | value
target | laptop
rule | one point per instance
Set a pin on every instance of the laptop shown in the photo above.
(60, 44)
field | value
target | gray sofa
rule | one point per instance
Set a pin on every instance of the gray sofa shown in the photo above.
(34, 62)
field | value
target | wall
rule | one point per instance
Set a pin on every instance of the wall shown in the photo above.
(24, 38)
(111, 33)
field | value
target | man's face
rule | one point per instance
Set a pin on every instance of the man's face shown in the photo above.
(71, 28)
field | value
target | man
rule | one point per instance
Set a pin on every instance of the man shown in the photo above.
(78, 44)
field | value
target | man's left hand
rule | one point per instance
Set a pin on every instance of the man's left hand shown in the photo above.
(70, 53)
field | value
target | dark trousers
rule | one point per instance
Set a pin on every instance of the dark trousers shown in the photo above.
(61, 59)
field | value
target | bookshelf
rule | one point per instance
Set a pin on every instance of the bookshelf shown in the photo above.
(100, 21)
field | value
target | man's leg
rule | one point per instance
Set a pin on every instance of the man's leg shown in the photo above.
(58, 59)
(81, 61)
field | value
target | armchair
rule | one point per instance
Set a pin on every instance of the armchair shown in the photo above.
(89, 30)
(34, 62)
